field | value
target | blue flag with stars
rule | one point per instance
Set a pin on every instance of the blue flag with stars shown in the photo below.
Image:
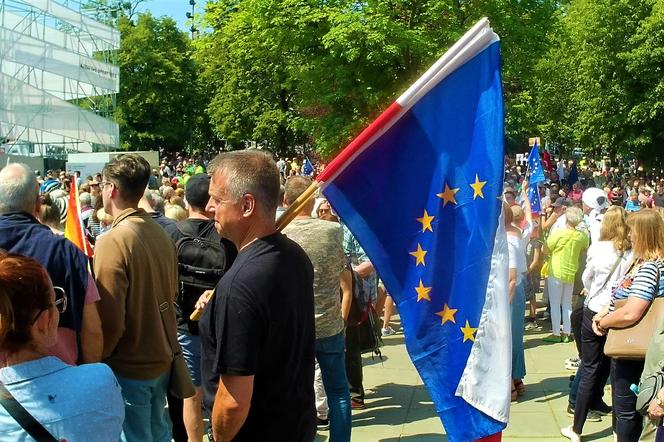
(535, 166)
(308, 168)
(534, 197)
(423, 201)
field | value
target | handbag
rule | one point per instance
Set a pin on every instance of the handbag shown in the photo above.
(632, 342)
(23, 417)
(179, 382)
(648, 389)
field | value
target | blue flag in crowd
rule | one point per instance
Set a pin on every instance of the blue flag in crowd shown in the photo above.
(534, 197)
(423, 201)
(308, 168)
(535, 166)
(573, 176)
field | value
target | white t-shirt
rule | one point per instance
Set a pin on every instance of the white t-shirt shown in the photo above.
(600, 260)
(516, 248)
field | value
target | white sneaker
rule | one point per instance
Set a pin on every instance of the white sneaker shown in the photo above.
(569, 433)
(388, 331)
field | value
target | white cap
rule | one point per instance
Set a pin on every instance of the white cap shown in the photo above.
(595, 198)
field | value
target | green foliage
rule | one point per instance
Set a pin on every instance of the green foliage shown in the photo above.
(315, 72)
(159, 99)
(600, 87)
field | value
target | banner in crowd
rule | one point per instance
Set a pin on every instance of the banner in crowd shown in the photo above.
(74, 230)
(420, 189)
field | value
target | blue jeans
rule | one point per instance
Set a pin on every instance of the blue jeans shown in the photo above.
(146, 418)
(330, 354)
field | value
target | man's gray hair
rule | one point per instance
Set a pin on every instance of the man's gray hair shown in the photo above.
(249, 171)
(18, 189)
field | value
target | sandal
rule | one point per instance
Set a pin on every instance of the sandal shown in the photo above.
(514, 393)
(520, 387)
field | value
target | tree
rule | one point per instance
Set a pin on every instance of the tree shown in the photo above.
(599, 87)
(110, 11)
(316, 71)
(158, 102)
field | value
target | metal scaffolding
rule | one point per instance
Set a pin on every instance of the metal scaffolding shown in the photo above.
(59, 78)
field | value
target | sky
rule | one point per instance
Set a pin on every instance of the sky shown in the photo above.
(176, 9)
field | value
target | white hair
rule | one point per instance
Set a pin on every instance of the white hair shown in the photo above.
(18, 189)
(574, 216)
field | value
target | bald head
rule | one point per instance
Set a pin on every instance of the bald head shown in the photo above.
(18, 189)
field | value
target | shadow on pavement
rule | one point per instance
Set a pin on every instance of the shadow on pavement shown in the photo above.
(598, 435)
(546, 389)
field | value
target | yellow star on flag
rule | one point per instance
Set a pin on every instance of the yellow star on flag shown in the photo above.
(426, 222)
(419, 255)
(422, 292)
(468, 332)
(447, 314)
(448, 195)
(477, 187)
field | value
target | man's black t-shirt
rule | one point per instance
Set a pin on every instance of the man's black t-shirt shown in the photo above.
(261, 323)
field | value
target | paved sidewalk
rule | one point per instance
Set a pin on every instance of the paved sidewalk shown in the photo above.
(399, 408)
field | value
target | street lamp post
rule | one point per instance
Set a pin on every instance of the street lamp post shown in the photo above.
(190, 16)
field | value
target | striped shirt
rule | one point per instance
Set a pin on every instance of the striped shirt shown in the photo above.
(644, 283)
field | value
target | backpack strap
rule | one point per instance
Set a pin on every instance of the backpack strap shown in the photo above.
(187, 229)
(23, 417)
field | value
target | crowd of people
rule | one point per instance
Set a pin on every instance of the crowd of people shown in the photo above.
(107, 349)
(278, 308)
(596, 250)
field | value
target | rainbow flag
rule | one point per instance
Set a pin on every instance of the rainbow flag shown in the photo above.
(74, 230)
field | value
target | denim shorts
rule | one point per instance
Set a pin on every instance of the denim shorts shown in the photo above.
(191, 350)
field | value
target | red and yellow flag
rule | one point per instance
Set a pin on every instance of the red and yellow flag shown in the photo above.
(74, 230)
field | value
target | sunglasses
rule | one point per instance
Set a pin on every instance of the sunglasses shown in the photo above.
(60, 303)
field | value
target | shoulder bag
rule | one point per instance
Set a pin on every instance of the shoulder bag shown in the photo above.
(632, 342)
(23, 417)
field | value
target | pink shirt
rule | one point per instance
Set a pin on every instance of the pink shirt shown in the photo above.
(67, 348)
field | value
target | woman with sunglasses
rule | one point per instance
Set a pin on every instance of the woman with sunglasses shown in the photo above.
(71, 403)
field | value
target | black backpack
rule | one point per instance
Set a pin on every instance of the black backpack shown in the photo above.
(364, 327)
(202, 260)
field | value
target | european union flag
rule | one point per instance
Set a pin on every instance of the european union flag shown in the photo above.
(534, 197)
(423, 201)
(535, 166)
(308, 168)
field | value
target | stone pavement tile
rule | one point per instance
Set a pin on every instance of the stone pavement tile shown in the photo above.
(531, 426)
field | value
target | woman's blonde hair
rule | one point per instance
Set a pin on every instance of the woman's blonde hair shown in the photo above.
(648, 232)
(614, 228)
(175, 212)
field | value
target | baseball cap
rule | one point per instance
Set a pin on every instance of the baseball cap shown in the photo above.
(595, 198)
(196, 191)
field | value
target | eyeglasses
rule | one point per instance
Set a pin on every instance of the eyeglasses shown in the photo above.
(60, 303)
(105, 183)
(60, 299)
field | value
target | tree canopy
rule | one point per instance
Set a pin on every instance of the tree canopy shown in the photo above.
(583, 74)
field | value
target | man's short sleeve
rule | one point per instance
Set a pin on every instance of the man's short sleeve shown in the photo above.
(240, 332)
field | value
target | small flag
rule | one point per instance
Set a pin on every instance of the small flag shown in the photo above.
(573, 176)
(307, 168)
(443, 254)
(74, 230)
(534, 197)
(535, 166)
